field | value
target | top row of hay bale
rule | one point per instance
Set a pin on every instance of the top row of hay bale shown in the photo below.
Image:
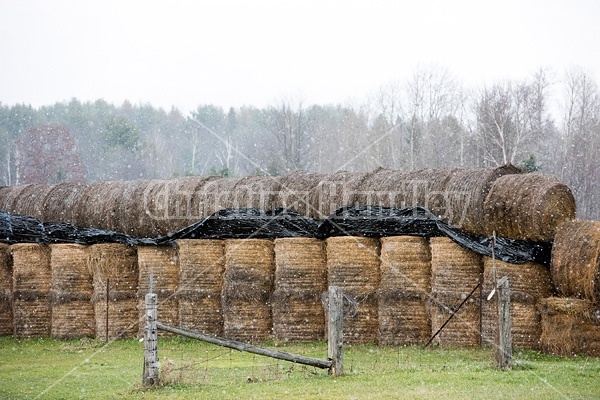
(477, 200)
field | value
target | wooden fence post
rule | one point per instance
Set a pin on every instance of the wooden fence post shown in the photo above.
(335, 335)
(504, 352)
(150, 342)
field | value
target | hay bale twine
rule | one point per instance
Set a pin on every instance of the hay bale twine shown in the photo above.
(32, 278)
(296, 191)
(528, 207)
(454, 273)
(72, 290)
(160, 262)
(114, 266)
(570, 326)
(529, 282)
(404, 290)
(6, 281)
(300, 279)
(247, 287)
(575, 264)
(353, 265)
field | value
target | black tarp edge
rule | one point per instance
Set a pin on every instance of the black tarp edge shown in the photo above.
(368, 221)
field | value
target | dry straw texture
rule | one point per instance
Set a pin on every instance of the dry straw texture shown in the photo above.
(528, 206)
(72, 289)
(296, 191)
(297, 315)
(300, 264)
(528, 282)
(405, 264)
(575, 262)
(32, 278)
(405, 285)
(456, 195)
(201, 311)
(160, 263)
(248, 283)
(454, 270)
(300, 279)
(6, 275)
(353, 265)
(60, 203)
(570, 326)
(454, 274)
(115, 265)
(403, 320)
(30, 200)
(336, 190)
(180, 208)
(464, 328)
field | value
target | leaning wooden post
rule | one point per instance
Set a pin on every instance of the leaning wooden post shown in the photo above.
(335, 333)
(150, 340)
(504, 352)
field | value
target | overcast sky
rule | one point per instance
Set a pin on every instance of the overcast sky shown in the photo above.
(232, 53)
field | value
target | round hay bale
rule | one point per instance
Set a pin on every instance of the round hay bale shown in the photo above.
(575, 264)
(6, 278)
(455, 195)
(60, 203)
(182, 208)
(528, 207)
(570, 326)
(464, 328)
(405, 264)
(93, 205)
(256, 192)
(296, 191)
(30, 200)
(353, 265)
(454, 271)
(215, 195)
(403, 318)
(32, 276)
(300, 279)
(248, 284)
(404, 289)
(160, 262)
(297, 315)
(72, 290)
(529, 282)
(152, 210)
(339, 189)
(201, 264)
(300, 265)
(200, 310)
(114, 266)
(131, 211)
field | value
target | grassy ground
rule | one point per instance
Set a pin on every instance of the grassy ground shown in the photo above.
(89, 369)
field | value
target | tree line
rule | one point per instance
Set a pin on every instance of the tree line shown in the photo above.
(543, 123)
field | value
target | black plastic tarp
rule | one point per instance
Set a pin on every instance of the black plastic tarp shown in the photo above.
(368, 221)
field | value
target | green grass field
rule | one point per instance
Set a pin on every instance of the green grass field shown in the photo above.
(89, 369)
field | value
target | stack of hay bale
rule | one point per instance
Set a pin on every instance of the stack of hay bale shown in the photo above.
(455, 272)
(115, 273)
(529, 283)
(32, 277)
(404, 290)
(6, 281)
(247, 288)
(72, 290)
(160, 262)
(300, 280)
(571, 321)
(201, 266)
(353, 265)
